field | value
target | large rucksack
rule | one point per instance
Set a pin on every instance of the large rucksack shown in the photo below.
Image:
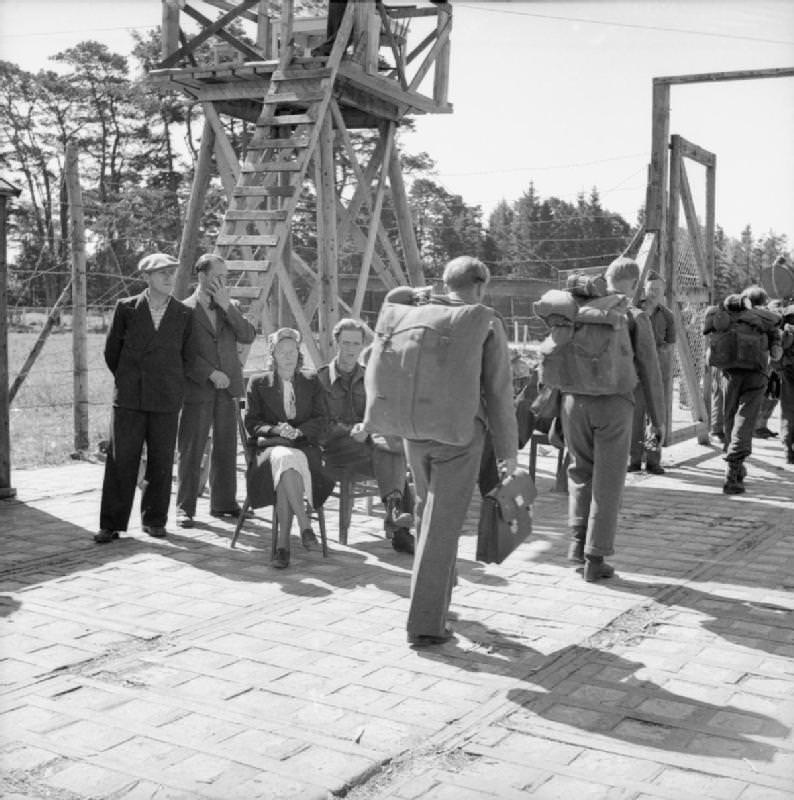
(787, 342)
(739, 339)
(423, 371)
(590, 353)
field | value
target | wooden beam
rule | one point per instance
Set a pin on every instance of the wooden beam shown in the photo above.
(238, 44)
(360, 240)
(393, 45)
(366, 261)
(669, 272)
(228, 165)
(249, 90)
(696, 153)
(716, 77)
(644, 260)
(225, 5)
(169, 38)
(405, 223)
(366, 36)
(441, 76)
(209, 31)
(422, 46)
(711, 173)
(188, 249)
(424, 67)
(660, 132)
(686, 361)
(693, 226)
(327, 247)
(79, 299)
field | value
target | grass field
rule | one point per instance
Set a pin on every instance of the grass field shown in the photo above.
(42, 416)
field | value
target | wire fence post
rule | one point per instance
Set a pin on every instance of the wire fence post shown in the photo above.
(79, 299)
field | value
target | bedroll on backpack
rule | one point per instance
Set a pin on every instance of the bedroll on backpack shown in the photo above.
(422, 378)
(592, 355)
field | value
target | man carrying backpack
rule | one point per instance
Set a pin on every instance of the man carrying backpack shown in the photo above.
(742, 337)
(597, 348)
(438, 373)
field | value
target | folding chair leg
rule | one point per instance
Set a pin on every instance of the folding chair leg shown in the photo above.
(274, 535)
(323, 537)
(345, 509)
(240, 521)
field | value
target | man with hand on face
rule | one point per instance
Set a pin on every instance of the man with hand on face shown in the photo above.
(146, 350)
(346, 445)
(214, 384)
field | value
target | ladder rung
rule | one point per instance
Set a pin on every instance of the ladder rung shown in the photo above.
(285, 119)
(293, 97)
(272, 166)
(255, 215)
(248, 266)
(255, 240)
(264, 191)
(275, 144)
(251, 292)
(300, 74)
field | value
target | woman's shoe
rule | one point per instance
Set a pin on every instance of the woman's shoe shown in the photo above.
(308, 538)
(281, 559)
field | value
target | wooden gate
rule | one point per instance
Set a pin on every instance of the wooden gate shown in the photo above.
(689, 271)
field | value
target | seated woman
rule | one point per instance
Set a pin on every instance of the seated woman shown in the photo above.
(285, 410)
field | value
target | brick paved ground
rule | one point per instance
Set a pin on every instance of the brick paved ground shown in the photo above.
(184, 669)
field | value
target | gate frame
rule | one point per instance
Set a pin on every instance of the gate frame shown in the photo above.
(661, 229)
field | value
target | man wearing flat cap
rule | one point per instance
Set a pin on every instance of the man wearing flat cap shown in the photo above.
(146, 350)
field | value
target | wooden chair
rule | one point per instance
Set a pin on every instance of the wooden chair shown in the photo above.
(351, 487)
(249, 453)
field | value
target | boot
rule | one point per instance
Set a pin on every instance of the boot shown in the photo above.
(596, 568)
(733, 478)
(576, 547)
(396, 518)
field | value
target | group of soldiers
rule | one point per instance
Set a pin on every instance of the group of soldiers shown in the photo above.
(178, 375)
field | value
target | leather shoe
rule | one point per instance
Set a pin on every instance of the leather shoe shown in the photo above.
(308, 538)
(634, 468)
(104, 536)
(155, 531)
(654, 469)
(596, 568)
(183, 519)
(233, 513)
(403, 541)
(576, 551)
(281, 559)
(763, 433)
(427, 640)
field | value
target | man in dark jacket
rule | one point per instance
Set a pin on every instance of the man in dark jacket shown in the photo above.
(146, 349)
(348, 447)
(214, 384)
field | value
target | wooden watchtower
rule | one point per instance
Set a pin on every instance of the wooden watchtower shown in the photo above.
(304, 108)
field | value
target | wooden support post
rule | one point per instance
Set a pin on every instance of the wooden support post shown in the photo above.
(286, 24)
(327, 252)
(405, 225)
(693, 226)
(190, 230)
(656, 211)
(263, 29)
(6, 490)
(441, 77)
(79, 299)
(366, 260)
(170, 29)
(687, 363)
(711, 177)
(366, 36)
(672, 222)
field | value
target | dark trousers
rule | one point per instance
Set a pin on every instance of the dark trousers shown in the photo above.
(787, 413)
(717, 417)
(640, 421)
(598, 434)
(129, 430)
(220, 413)
(444, 477)
(743, 390)
(382, 457)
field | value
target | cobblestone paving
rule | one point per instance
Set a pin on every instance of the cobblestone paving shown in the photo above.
(184, 669)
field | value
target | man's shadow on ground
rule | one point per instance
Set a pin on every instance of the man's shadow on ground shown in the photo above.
(597, 691)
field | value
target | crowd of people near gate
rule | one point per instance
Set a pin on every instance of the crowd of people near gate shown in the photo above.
(425, 406)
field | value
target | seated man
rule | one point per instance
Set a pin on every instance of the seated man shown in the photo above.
(346, 447)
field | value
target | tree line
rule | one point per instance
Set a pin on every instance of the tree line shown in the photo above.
(137, 150)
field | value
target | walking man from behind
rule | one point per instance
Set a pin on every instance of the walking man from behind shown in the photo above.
(146, 350)
(468, 386)
(214, 384)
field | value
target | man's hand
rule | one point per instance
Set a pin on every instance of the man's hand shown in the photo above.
(508, 466)
(219, 293)
(358, 433)
(220, 380)
(660, 430)
(286, 431)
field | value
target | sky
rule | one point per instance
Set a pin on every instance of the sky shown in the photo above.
(559, 93)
